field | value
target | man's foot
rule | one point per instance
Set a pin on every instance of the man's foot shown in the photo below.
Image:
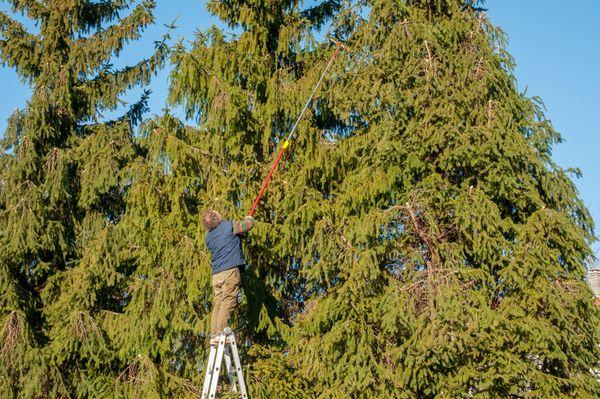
(213, 339)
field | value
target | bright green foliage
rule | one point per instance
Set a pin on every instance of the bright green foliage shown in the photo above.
(61, 194)
(421, 243)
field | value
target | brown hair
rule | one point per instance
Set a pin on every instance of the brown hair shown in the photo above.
(211, 219)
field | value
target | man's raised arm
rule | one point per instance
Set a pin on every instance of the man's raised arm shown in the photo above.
(241, 227)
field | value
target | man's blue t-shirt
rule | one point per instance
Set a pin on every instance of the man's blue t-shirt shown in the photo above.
(225, 247)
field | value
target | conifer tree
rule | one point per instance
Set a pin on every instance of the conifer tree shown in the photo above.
(244, 90)
(61, 193)
(421, 242)
(460, 249)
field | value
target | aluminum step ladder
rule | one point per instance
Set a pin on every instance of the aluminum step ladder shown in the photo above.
(226, 348)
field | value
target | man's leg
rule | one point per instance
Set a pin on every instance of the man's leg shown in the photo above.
(230, 290)
(217, 283)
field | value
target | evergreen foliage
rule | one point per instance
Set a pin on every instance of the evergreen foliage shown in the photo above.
(61, 194)
(419, 243)
(422, 243)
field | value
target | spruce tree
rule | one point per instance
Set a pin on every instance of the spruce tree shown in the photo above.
(243, 90)
(61, 193)
(459, 244)
(421, 242)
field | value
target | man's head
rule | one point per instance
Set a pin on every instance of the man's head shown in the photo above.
(211, 219)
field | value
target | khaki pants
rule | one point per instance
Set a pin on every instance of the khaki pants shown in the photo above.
(226, 286)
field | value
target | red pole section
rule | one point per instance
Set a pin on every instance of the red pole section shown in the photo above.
(268, 179)
(286, 143)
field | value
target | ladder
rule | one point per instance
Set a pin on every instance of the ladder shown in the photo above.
(225, 348)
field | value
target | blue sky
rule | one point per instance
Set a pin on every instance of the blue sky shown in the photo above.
(555, 43)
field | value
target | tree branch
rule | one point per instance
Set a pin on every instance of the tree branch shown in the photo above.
(87, 54)
(19, 49)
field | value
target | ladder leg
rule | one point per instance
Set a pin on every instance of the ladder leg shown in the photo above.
(229, 370)
(209, 371)
(238, 368)
(217, 369)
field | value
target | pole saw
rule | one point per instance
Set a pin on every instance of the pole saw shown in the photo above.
(290, 136)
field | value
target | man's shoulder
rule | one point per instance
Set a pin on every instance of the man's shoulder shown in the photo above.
(225, 224)
(223, 228)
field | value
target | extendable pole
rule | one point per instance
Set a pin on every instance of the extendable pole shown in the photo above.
(289, 137)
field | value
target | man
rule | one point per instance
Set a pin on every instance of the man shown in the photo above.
(224, 244)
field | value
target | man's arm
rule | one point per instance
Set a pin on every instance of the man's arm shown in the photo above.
(243, 226)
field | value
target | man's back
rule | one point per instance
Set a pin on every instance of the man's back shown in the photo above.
(225, 247)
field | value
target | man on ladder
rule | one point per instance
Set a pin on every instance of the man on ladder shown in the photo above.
(224, 244)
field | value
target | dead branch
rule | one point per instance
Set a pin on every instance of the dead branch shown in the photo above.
(429, 59)
(490, 112)
(432, 261)
(405, 23)
(10, 334)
